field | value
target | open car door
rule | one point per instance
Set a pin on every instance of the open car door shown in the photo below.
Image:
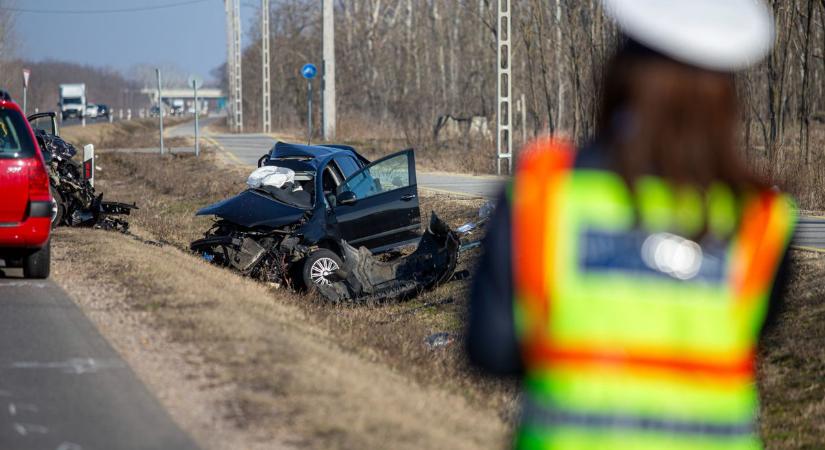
(46, 121)
(377, 207)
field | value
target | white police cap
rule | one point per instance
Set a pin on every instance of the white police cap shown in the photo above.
(724, 35)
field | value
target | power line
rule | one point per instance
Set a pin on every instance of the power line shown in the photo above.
(100, 11)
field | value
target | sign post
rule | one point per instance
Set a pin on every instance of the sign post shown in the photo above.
(309, 71)
(196, 82)
(26, 74)
(160, 109)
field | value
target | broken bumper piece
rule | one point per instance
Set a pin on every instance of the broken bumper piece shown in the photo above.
(364, 275)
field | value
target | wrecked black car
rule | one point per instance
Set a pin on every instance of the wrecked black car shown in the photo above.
(74, 200)
(318, 214)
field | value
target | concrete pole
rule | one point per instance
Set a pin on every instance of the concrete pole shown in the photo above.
(328, 83)
(230, 63)
(25, 91)
(160, 109)
(265, 76)
(197, 113)
(504, 111)
(309, 112)
(238, 52)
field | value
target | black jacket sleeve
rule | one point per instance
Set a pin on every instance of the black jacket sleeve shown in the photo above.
(492, 344)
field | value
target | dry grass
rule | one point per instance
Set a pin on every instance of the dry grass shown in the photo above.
(792, 362)
(138, 133)
(392, 333)
(391, 337)
(290, 381)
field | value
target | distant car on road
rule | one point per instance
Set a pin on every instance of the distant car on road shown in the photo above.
(154, 111)
(26, 204)
(102, 110)
(91, 110)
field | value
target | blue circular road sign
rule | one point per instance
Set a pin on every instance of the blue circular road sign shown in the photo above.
(309, 71)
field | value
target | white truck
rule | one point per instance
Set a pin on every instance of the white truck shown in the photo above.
(72, 100)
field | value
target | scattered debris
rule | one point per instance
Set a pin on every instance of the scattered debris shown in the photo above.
(437, 340)
(75, 202)
(365, 276)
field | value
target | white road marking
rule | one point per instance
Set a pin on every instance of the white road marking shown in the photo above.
(15, 407)
(26, 428)
(69, 446)
(34, 284)
(73, 366)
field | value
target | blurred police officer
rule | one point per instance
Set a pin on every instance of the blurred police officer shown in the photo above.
(629, 281)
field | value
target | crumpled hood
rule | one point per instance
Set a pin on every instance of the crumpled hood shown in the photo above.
(252, 209)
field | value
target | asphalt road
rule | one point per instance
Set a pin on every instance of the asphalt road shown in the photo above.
(62, 387)
(247, 148)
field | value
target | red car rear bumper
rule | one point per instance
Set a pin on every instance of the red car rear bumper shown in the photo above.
(30, 233)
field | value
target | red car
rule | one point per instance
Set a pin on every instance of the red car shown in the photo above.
(25, 200)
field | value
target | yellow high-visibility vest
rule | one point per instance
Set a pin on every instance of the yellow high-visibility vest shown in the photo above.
(634, 336)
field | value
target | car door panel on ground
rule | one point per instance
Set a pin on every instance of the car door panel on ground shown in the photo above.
(386, 211)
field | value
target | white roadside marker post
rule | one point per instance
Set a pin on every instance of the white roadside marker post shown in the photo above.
(89, 163)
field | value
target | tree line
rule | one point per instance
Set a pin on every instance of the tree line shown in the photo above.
(402, 64)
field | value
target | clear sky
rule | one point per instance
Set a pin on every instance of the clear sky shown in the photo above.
(190, 36)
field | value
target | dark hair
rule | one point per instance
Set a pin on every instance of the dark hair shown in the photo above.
(665, 118)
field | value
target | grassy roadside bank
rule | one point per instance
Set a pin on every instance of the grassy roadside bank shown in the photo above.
(229, 322)
(137, 133)
(393, 334)
(168, 191)
(276, 376)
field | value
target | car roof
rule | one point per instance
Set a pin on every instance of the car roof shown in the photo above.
(319, 154)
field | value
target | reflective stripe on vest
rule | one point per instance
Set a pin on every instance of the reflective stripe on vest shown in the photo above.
(624, 323)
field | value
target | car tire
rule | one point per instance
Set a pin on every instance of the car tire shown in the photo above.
(58, 208)
(318, 265)
(38, 264)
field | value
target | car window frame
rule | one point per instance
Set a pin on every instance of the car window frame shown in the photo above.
(411, 179)
(20, 131)
(341, 170)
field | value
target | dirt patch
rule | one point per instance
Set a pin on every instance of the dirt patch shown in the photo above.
(271, 373)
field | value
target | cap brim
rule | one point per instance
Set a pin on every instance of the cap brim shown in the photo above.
(724, 35)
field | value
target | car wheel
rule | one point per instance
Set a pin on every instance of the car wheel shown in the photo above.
(38, 264)
(319, 266)
(58, 208)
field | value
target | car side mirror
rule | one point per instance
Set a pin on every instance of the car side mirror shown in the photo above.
(347, 198)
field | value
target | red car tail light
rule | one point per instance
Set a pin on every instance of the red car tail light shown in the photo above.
(38, 181)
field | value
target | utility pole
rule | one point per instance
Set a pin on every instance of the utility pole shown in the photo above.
(230, 63)
(236, 42)
(160, 109)
(504, 113)
(560, 113)
(267, 104)
(328, 82)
